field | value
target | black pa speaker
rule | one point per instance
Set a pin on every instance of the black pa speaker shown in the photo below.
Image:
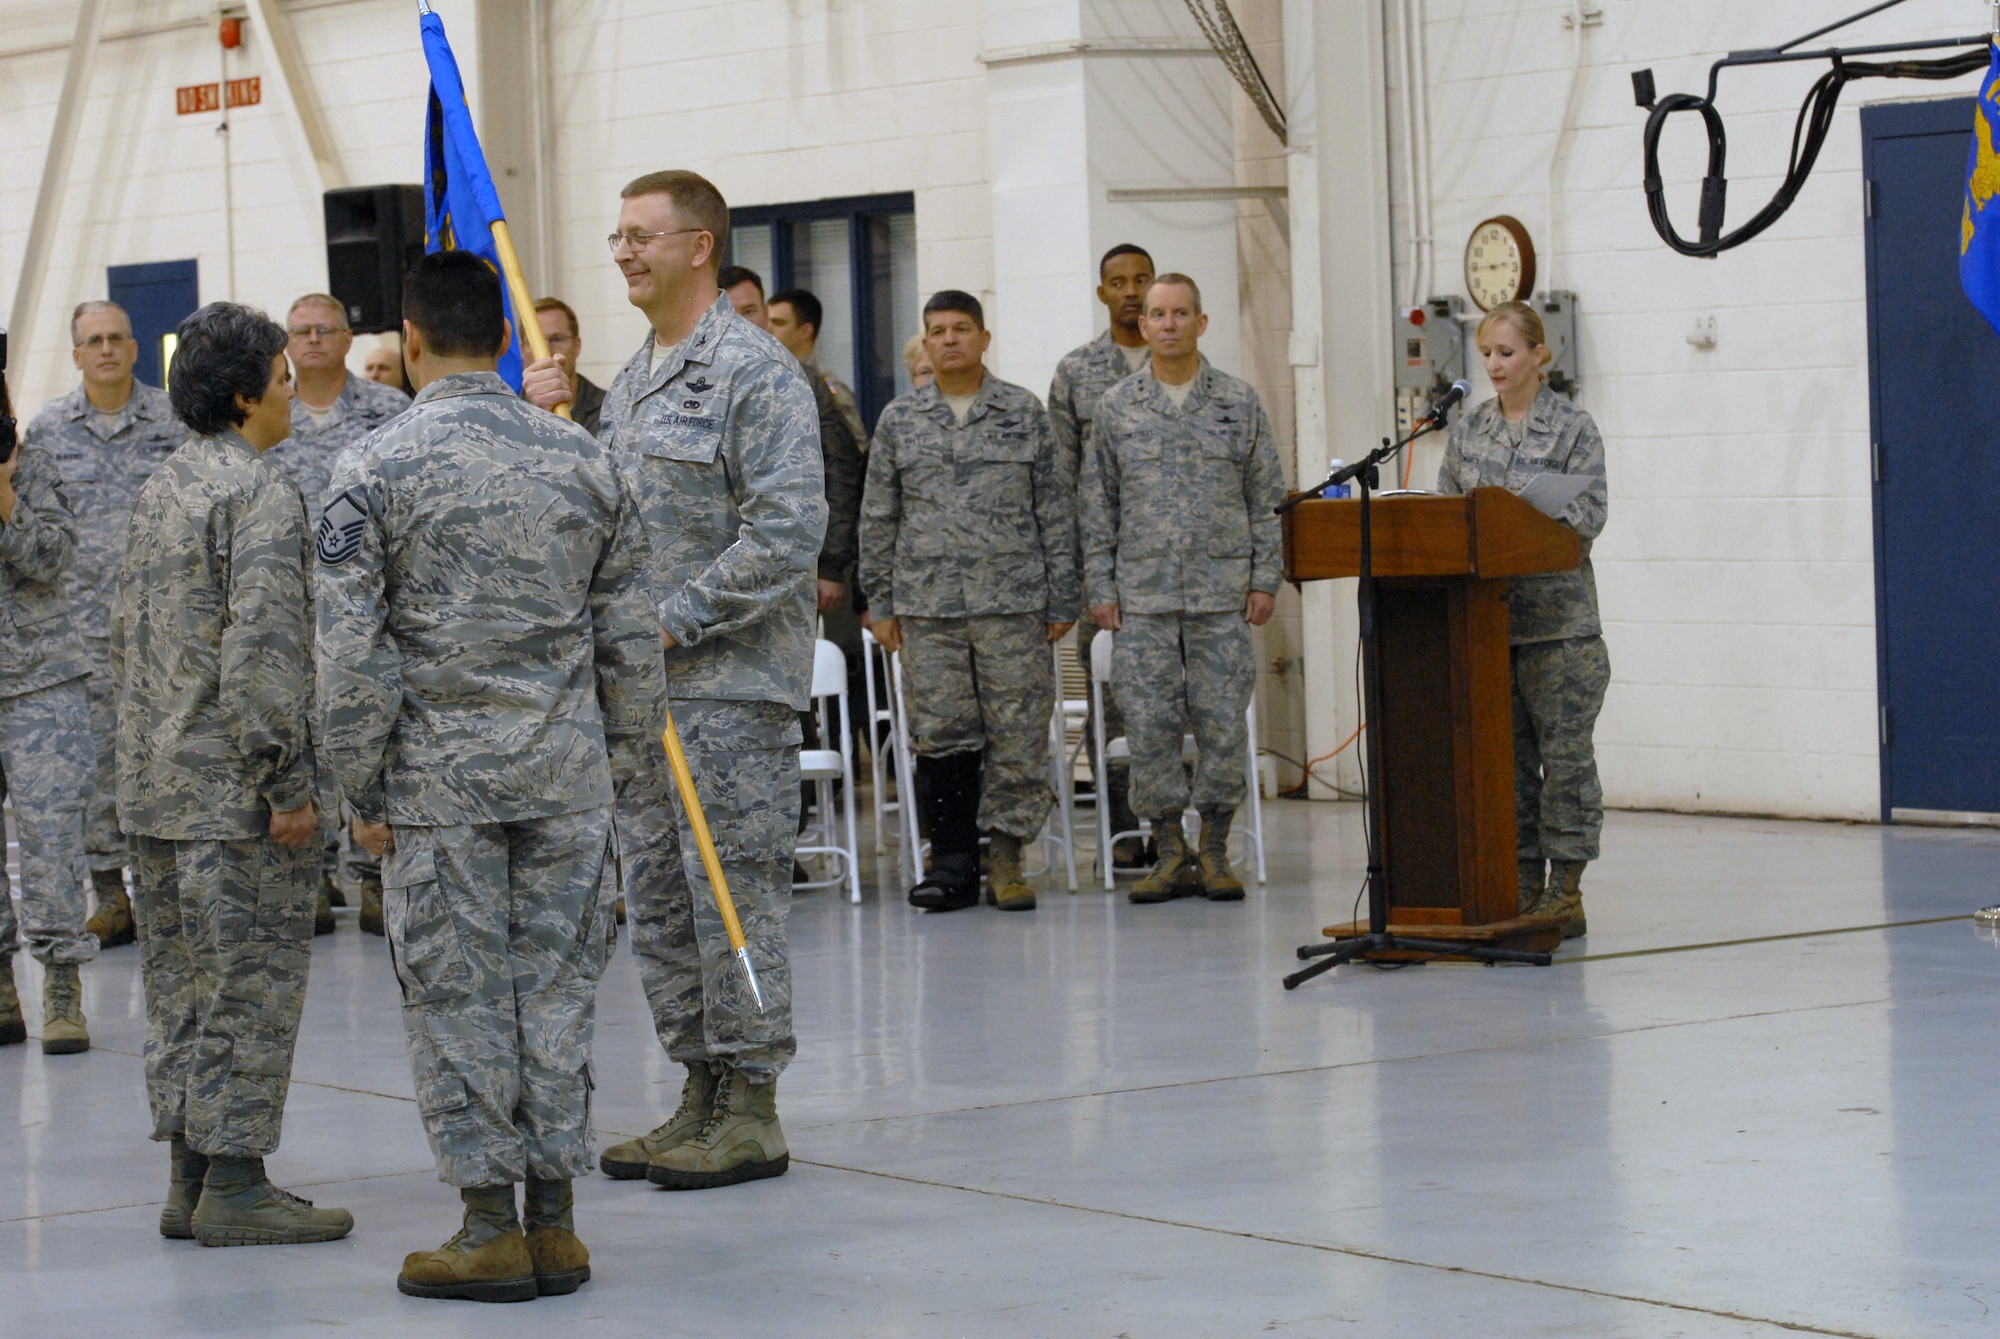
(373, 235)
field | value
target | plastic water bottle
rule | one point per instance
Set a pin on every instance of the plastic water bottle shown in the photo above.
(1338, 490)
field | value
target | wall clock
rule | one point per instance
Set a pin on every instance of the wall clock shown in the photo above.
(1499, 263)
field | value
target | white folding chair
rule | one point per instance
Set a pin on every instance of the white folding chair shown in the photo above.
(882, 711)
(1118, 752)
(824, 766)
(906, 763)
(1061, 779)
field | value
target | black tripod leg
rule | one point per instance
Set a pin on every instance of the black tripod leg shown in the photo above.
(1330, 956)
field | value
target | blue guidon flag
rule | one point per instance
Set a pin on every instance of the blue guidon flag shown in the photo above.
(1979, 227)
(460, 203)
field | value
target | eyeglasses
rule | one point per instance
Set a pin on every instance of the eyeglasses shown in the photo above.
(114, 340)
(637, 240)
(323, 331)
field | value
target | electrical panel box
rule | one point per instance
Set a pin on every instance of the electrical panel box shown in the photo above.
(1558, 313)
(1430, 345)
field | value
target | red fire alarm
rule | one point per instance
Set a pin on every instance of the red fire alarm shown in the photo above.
(232, 33)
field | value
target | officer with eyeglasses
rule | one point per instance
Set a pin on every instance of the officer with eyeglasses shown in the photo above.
(331, 409)
(717, 433)
(107, 437)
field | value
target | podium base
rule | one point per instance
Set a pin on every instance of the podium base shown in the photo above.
(1523, 934)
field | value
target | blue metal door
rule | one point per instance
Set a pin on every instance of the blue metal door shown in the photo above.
(158, 297)
(1934, 372)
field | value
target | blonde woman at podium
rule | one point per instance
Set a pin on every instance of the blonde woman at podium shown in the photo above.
(1560, 668)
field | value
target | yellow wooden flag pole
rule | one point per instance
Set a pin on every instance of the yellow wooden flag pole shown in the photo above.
(523, 301)
(717, 885)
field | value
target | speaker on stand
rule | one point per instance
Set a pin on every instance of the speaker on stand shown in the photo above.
(374, 234)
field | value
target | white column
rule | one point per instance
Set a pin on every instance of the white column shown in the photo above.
(1086, 97)
(1341, 299)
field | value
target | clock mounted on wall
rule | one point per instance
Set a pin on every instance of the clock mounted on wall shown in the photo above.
(1499, 263)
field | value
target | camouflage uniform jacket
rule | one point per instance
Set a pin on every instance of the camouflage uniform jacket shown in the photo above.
(1178, 503)
(102, 472)
(1081, 379)
(841, 460)
(965, 519)
(39, 645)
(211, 643)
(307, 456)
(721, 448)
(844, 401)
(1556, 436)
(485, 621)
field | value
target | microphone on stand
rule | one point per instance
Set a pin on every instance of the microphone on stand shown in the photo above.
(1445, 402)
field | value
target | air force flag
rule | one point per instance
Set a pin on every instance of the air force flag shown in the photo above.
(1979, 228)
(461, 204)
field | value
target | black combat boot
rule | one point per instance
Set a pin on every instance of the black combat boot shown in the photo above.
(948, 798)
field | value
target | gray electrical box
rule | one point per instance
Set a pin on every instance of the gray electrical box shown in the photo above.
(1558, 313)
(1430, 345)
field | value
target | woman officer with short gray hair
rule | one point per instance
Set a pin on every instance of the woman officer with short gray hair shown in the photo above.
(213, 655)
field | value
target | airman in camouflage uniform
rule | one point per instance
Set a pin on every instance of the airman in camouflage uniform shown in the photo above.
(969, 557)
(1081, 378)
(717, 435)
(489, 677)
(1561, 668)
(1181, 552)
(106, 456)
(211, 644)
(45, 751)
(318, 437)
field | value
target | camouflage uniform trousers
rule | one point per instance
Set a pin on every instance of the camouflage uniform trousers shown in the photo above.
(1177, 674)
(499, 933)
(986, 683)
(1558, 691)
(45, 771)
(225, 934)
(745, 760)
(103, 840)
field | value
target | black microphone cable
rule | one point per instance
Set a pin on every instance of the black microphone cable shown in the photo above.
(1809, 132)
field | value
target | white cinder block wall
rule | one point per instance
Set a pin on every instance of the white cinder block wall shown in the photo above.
(1737, 573)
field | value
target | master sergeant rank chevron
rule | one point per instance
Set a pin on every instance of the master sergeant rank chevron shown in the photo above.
(339, 530)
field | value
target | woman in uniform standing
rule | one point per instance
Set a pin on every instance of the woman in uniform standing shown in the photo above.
(1560, 668)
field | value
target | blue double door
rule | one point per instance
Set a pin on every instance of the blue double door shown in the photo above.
(158, 297)
(1934, 370)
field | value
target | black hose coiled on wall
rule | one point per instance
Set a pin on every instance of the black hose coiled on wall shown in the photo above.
(1809, 132)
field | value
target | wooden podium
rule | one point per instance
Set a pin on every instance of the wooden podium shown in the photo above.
(1447, 733)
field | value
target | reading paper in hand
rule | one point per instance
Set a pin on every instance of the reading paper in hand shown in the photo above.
(1551, 493)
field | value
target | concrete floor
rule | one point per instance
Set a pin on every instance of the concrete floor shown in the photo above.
(1102, 1119)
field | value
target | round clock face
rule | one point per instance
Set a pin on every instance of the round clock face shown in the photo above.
(1499, 263)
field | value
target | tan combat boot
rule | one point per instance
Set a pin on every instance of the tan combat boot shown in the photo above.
(740, 1141)
(628, 1161)
(562, 1264)
(1173, 874)
(63, 1030)
(371, 904)
(112, 923)
(487, 1261)
(13, 1027)
(323, 910)
(1009, 885)
(240, 1207)
(186, 1170)
(1565, 897)
(1218, 881)
(1534, 885)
